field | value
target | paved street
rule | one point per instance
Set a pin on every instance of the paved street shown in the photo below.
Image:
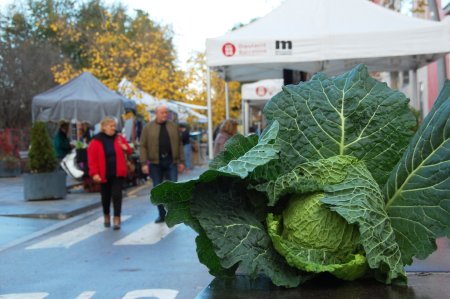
(21, 220)
(79, 258)
(60, 249)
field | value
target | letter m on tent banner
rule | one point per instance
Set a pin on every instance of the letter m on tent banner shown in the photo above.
(283, 45)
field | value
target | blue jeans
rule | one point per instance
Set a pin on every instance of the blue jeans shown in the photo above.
(187, 155)
(166, 169)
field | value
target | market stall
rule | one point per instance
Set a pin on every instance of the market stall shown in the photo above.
(326, 36)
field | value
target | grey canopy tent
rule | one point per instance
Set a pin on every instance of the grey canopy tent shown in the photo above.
(84, 98)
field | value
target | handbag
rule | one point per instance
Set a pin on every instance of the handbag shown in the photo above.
(131, 168)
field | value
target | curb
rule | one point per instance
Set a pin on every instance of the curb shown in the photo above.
(66, 215)
(57, 216)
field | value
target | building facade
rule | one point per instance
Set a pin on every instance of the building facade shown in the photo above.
(430, 78)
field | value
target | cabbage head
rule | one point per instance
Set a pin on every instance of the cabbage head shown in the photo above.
(338, 183)
(314, 239)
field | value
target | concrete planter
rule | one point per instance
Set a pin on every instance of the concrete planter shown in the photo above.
(47, 185)
(8, 170)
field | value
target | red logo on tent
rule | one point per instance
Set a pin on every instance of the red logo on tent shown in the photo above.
(228, 49)
(261, 91)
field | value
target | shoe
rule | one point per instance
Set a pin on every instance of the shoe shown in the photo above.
(107, 221)
(160, 219)
(116, 225)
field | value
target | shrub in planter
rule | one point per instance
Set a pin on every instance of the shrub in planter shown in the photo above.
(44, 181)
(41, 157)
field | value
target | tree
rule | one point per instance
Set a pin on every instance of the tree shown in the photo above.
(197, 74)
(115, 46)
(414, 6)
(24, 68)
(44, 42)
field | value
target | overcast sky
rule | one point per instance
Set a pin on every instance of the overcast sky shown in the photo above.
(195, 20)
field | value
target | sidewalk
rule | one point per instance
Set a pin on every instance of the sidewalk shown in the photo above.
(22, 220)
(77, 200)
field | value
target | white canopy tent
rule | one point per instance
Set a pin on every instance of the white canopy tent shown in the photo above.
(256, 95)
(327, 36)
(183, 110)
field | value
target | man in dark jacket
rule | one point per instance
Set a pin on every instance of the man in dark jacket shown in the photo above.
(161, 151)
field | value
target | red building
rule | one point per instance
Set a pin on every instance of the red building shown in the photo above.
(431, 78)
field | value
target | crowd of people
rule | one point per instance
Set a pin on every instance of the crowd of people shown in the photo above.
(164, 152)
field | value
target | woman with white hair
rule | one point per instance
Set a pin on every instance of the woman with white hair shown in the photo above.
(107, 163)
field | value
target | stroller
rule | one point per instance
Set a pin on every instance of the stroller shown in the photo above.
(70, 165)
(76, 166)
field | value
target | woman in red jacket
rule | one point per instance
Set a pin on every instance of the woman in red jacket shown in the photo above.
(107, 165)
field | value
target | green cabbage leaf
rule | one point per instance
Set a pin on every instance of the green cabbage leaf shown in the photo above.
(351, 114)
(418, 190)
(242, 155)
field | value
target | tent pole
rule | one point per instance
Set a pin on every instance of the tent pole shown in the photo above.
(210, 126)
(415, 99)
(246, 117)
(243, 118)
(227, 102)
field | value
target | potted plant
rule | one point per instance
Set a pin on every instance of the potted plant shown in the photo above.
(45, 180)
(9, 163)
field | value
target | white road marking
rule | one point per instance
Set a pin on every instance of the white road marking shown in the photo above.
(147, 235)
(70, 238)
(86, 295)
(152, 293)
(25, 296)
(147, 293)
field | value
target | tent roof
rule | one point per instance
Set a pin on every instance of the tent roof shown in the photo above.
(83, 98)
(327, 36)
(182, 109)
(140, 97)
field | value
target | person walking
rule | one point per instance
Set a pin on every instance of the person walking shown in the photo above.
(161, 151)
(227, 130)
(186, 139)
(107, 165)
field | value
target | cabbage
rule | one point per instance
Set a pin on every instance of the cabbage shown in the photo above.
(338, 183)
(314, 239)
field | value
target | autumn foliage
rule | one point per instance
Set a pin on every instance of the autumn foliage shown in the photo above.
(110, 43)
